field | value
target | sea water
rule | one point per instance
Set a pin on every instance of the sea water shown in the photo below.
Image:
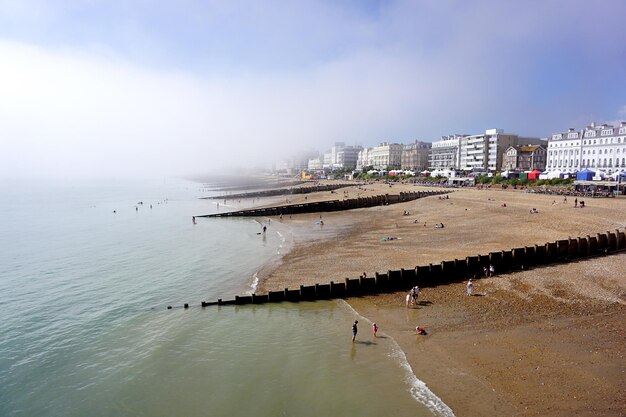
(87, 270)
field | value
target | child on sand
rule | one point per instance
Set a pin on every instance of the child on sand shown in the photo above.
(374, 329)
(470, 287)
(354, 330)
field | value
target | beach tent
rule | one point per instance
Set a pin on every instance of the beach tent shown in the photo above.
(534, 175)
(554, 174)
(523, 176)
(585, 175)
(544, 175)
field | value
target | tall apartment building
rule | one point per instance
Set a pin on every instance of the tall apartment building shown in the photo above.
(415, 156)
(598, 146)
(347, 157)
(444, 153)
(341, 156)
(363, 159)
(484, 152)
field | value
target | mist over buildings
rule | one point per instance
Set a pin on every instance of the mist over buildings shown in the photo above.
(95, 90)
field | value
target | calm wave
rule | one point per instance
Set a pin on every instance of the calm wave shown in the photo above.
(85, 330)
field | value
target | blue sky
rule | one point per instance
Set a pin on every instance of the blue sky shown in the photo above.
(101, 88)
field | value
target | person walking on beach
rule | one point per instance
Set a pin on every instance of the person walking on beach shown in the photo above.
(491, 270)
(374, 329)
(470, 287)
(354, 330)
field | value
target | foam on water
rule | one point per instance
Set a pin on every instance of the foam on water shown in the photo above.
(419, 390)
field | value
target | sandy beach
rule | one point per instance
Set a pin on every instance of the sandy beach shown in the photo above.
(544, 342)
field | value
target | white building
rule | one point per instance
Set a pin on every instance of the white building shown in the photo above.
(316, 164)
(596, 147)
(386, 156)
(564, 151)
(604, 148)
(444, 153)
(485, 152)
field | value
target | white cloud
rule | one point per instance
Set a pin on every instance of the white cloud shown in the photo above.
(406, 71)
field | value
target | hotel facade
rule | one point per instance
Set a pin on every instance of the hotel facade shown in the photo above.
(600, 147)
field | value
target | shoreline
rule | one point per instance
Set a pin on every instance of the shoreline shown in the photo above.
(478, 384)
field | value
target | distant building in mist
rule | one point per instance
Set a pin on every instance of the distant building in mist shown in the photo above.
(339, 156)
(384, 156)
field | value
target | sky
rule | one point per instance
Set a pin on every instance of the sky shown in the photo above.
(99, 89)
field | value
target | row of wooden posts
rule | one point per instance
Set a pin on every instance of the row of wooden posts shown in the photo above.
(332, 205)
(282, 191)
(560, 251)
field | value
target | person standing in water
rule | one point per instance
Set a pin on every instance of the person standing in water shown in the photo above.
(354, 330)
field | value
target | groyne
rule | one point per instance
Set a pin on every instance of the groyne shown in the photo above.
(455, 270)
(331, 205)
(282, 191)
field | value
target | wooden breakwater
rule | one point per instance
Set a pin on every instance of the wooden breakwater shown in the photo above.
(331, 205)
(456, 270)
(283, 191)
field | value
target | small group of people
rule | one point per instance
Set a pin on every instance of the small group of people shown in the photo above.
(489, 271)
(411, 297)
(439, 226)
(406, 213)
(534, 211)
(355, 330)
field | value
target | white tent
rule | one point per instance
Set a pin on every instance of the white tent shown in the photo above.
(554, 174)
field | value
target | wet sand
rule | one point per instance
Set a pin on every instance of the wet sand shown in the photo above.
(544, 342)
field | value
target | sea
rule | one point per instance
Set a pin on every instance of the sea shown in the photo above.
(87, 271)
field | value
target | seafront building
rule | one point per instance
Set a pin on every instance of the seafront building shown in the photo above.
(384, 156)
(564, 151)
(444, 153)
(381, 156)
(600, 147)
(484, 152)
(338, 157)
(415, 156)
(525, 158)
